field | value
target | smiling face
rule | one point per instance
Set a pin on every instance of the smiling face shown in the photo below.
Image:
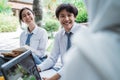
(27, 16)
(66, 19)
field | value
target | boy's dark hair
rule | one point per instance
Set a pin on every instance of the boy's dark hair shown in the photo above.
(20, 13)
(68, 7)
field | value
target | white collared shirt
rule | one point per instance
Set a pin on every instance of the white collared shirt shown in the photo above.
(38, 40)
(59, 49)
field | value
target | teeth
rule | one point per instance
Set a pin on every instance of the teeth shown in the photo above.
(28, 20)
(66, 23)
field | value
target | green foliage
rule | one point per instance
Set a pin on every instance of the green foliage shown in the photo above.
(49, 48)
(51, 25)
(4, 7)
(82, 12)
(8, 23)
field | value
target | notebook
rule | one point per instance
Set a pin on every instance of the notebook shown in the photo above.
(21, 67)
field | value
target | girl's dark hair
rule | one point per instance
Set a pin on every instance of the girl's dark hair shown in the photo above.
(68, 7)
(20, 13)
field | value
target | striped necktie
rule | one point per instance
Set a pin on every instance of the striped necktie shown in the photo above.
(28, 39)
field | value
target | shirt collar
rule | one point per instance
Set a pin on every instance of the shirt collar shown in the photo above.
(34, 31)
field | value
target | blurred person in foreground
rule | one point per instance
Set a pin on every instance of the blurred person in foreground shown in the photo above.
(66, 14)
(95, 53)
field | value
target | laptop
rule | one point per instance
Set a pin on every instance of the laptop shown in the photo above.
(21, 67)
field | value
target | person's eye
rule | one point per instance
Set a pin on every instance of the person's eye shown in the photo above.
(23, 15)
(28, 13)
(62, 16)
(69, 15)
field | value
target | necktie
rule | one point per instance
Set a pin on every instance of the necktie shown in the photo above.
(28, 39)
(68, 40)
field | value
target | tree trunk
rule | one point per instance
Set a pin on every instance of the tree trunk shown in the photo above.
(37, 8)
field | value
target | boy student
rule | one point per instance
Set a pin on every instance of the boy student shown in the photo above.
(66, 14)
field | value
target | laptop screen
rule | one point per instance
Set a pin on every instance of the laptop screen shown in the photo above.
(21, 67)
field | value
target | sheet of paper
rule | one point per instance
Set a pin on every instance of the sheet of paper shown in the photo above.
(47, 73)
